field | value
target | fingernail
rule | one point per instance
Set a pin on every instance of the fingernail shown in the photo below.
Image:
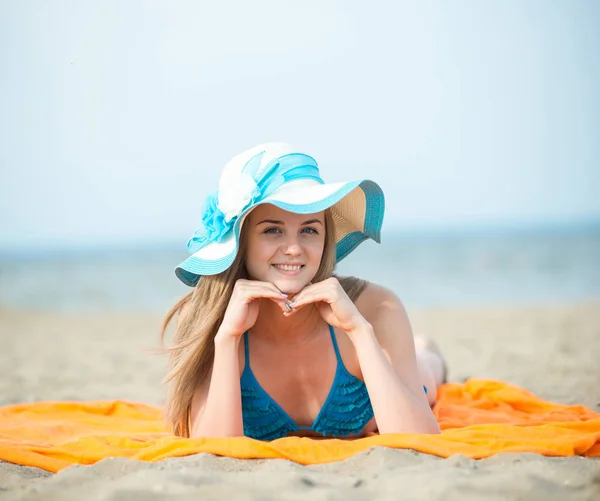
(293, 303)
(284, 295)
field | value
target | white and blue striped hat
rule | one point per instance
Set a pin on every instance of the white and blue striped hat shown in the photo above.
(280, 175)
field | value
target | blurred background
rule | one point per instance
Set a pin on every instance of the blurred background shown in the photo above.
(480, 120)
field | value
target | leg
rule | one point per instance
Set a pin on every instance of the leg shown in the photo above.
(431, 364)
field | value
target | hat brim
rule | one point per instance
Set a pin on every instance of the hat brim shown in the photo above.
(358, 209)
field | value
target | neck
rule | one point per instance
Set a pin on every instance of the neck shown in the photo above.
(273, 326)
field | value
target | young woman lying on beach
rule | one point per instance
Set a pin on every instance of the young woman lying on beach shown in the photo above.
(270, 343)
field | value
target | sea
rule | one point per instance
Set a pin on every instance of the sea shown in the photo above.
(426, 269)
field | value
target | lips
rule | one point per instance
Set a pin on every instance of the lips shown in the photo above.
(289, 270)
(289, 267)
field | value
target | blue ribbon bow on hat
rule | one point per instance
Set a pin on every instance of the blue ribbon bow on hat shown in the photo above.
(239, 192)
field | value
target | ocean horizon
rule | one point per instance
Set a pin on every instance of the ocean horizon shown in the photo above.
(449, 267)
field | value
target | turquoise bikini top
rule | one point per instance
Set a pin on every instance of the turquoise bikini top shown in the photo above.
(346, 410)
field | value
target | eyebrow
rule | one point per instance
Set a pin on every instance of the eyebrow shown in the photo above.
(272, 221)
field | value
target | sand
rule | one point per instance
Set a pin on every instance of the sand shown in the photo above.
(551, 350)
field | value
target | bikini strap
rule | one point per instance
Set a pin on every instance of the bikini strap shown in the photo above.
(246, 350)
(335, 344)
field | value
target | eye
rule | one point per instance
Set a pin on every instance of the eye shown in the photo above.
(310, 231)
(272, 230)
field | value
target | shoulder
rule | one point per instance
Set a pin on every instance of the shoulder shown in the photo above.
(376, 299)
(384, 310)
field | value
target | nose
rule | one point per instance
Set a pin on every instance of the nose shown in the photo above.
(292, 247)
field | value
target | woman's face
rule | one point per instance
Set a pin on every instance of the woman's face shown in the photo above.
(284, 248)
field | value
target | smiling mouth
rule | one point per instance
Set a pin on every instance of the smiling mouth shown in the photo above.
(288, 268)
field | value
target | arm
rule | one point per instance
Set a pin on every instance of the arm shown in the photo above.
(216, 409)
(386, 353)
(382, 337)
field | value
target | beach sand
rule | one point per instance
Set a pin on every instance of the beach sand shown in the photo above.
(551, 350)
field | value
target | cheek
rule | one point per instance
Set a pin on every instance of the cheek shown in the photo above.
(315, 251)
(252, 258)
(258, 255)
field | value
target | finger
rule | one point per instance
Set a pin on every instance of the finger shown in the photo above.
(265, 290)
(257, 283)
(248, 297)
(313, 296)
(310, 294)
(271, 286)
(283, 304)
(261, 289)
(251, 294)
(292, 310)
(307, 290)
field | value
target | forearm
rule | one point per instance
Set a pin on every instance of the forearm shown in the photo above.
(396, 408)
(221, 415)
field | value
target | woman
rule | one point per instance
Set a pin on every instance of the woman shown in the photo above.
(269, 343)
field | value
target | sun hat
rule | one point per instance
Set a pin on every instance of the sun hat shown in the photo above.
(280, 175)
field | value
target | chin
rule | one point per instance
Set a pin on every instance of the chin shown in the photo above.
(289, 287)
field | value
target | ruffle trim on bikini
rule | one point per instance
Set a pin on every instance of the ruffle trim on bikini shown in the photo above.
(348, 410)
(263, 420)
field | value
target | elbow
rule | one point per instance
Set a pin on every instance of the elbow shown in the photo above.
(418, 425)
(433, 429)
(216, 434)
(203, 431)
(428, 429)
(429, 426)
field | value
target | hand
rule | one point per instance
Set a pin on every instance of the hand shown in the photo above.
(334, 305)
(242, 310)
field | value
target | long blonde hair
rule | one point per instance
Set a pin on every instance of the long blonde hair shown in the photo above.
(200, 314)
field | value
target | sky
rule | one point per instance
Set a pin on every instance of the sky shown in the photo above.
(116, 117)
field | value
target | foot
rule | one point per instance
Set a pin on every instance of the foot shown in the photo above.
(429, 354)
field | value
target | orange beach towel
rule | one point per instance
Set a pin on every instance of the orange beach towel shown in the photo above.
(479, 419)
